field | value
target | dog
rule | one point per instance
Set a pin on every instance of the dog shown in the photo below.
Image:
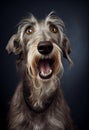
(38, 102)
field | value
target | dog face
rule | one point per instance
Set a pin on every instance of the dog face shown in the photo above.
(40, 45)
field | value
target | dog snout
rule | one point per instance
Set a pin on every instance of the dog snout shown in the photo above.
(45, 47)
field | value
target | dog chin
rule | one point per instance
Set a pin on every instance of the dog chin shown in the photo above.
(45, 77)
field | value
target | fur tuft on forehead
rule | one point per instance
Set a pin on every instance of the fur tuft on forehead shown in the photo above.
(51, 17)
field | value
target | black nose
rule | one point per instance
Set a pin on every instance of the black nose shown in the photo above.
(45, 47)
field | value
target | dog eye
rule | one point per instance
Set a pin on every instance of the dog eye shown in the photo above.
(29, 30)
(53, 28)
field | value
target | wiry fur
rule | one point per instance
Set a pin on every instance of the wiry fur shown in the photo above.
(38, 104)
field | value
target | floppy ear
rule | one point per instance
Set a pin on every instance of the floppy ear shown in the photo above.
(14, 45)
(65, 46)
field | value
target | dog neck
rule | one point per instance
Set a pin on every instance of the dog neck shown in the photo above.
(39, 96)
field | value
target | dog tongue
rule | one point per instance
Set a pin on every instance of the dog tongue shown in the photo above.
(44, 67)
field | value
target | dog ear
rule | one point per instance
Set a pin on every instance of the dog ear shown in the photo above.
(65, 46)
(14, 45)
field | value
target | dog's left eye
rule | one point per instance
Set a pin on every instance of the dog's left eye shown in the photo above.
(29, 30)
(53, 28)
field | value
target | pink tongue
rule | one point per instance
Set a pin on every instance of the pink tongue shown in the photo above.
(44, 66)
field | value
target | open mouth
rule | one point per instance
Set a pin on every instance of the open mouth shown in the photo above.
(45, 68)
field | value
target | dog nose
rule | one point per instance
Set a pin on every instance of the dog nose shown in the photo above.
(45, 47)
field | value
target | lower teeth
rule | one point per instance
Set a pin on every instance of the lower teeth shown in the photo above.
(45, 74)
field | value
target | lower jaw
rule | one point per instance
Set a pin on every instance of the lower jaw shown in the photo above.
(45, 77)
(38, 76)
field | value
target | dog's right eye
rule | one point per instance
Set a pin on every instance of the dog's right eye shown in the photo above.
(29, 30)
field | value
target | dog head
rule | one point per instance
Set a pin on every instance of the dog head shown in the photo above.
(40, 45)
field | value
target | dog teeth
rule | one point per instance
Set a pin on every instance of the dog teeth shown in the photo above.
(46, 74)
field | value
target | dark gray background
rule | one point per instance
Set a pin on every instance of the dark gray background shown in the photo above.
(75, 82)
